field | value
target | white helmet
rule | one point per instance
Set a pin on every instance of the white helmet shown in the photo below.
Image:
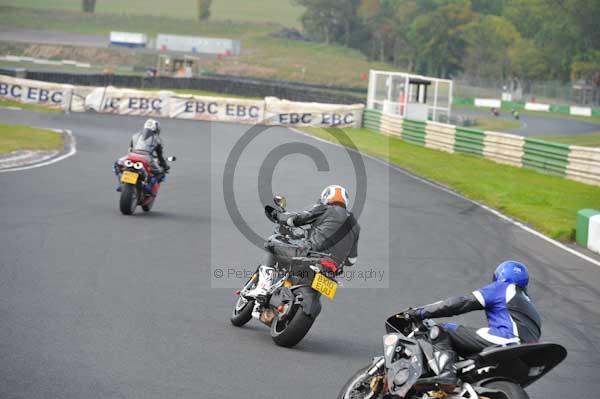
(152, 126)
(335, 195)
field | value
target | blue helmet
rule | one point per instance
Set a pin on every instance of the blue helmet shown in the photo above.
(512, 272)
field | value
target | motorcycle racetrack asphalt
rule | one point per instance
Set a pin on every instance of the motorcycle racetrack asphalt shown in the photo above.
(94, 304)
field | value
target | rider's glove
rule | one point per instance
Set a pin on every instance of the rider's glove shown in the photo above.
(284, 217)
(413, 314)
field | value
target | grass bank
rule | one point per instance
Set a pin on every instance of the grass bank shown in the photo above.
(585, 140)
(588, 119)
(19, 137)
(548, 203)
(262, 56)
(496, 124)
(284, 11)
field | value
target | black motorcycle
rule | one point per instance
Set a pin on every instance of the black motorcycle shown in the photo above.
(292, 303)
(498, 372)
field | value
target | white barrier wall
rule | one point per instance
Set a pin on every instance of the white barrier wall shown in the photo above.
(488, 102)
(128, 102)
(32, 91)
(537, 107)
(217, 109)
(291, 113)
(113, 100)
(580, 111)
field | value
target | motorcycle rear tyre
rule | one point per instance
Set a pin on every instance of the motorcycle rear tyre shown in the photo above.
(295, 329)
(129, 199)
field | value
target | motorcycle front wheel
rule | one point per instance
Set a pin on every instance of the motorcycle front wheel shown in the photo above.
(358, 386)
(289, 331)
(129, 199)
(242, 310)
(148, 206)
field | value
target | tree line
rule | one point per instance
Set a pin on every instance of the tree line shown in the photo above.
(498, 39)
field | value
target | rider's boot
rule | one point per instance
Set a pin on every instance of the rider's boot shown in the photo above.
(264, 283)
(119, 187)
(445, 358)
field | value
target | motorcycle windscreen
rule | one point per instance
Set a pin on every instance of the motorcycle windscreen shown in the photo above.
(397, 324)
(524, 364)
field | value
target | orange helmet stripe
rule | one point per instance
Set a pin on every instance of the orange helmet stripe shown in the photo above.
(337, 196)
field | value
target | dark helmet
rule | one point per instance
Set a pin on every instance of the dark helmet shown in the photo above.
(512, 272)
(151, 127)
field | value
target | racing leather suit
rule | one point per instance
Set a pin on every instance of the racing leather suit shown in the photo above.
(512, 318)
(149, 144)
(333, 230)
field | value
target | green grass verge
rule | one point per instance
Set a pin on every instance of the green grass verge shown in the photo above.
(496, 124)
(27, 106)
(284, 11)
(19, 137)
(210, 94)
(586, 140)
(546, 202)
(589, 119)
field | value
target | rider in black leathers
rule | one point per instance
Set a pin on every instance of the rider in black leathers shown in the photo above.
(334, 230)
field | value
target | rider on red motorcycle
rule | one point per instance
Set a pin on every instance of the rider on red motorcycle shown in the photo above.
(148, 143)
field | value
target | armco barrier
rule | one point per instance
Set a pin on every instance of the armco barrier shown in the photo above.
(413, 131)
(576, 163)
(372, 120)
(469, 141)
(391, 124)
(584, 164)
(545, 156)
(504, 148)
(440, 136)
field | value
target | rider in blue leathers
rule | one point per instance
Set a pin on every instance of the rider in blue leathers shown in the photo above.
(512, 317)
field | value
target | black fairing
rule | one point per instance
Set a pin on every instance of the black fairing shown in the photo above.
(522, 364)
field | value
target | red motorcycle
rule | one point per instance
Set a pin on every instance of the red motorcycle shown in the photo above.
(138, 184)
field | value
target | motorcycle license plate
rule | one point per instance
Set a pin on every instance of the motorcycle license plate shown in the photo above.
(324, 285)
(129, 177)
